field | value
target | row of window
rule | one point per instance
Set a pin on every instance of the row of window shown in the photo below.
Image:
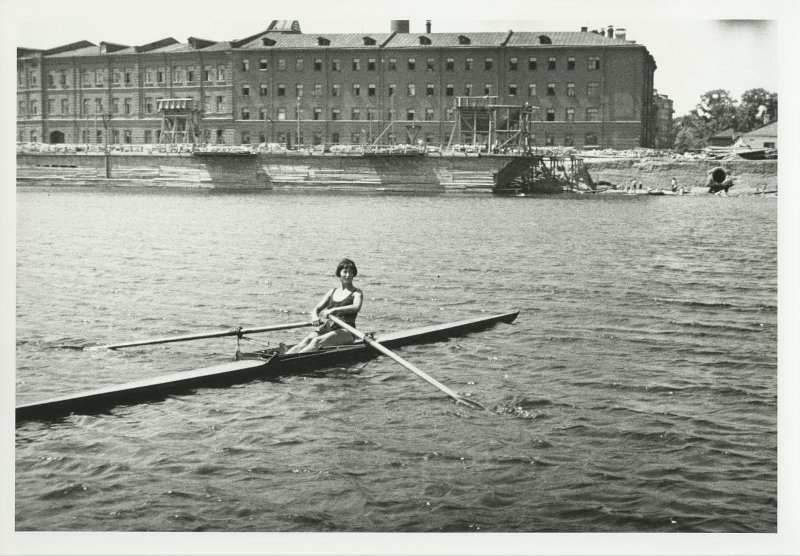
(591, 114)
(124, 76)
(411, 64)
(513, 89)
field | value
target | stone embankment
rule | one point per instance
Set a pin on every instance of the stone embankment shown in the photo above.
(749, 176)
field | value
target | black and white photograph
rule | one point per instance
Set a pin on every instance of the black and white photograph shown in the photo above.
(366, 278)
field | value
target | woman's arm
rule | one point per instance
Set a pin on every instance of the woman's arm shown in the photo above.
(315, 316)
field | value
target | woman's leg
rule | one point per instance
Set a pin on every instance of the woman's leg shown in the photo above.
(338, 337)
(303, 344)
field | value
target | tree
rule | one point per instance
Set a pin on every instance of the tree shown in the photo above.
(758, 107)
(718, 110)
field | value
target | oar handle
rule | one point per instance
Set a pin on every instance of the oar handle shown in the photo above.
(218, 334)
(408, 365)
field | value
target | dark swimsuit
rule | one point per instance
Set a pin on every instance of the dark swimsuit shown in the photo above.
(349, 318)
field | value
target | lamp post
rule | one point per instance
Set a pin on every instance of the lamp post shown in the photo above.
(106, 126)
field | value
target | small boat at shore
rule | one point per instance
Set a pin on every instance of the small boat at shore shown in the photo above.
(249, 366)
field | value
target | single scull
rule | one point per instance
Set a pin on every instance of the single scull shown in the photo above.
(250, 366)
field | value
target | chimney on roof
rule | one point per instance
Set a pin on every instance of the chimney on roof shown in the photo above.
(428, 26)
(584, 29)
(620, 33)
(399, 26)
(602, 32)
(610, 31)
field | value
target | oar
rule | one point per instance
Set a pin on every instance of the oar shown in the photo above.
(376, 345)
(219, 334)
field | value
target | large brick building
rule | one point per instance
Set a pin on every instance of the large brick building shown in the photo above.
(592, 88)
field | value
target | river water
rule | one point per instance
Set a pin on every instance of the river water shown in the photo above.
(637, 391)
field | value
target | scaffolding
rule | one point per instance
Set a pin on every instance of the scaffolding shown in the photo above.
(482, 122)
(180, 121)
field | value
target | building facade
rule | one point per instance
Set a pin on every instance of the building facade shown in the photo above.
(663, 118)
(591, 88)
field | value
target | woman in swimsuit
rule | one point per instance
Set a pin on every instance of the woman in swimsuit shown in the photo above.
(344, 302)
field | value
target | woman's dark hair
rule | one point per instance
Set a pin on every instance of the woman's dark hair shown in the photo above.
(346, 263)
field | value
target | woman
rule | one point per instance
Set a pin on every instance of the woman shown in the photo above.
(344, 302)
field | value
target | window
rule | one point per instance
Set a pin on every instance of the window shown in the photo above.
(468, 64)
(62, 78)
(99, 78)
(335, 90)
(126, 106)
(127, 76)
(245, 90)
(591, 89)
(355, 138)
(371, 88)
(551, 63)
(335, 138)
(281, 89)
(148, 106)
(190, 74)
(392, 89)
(355, 114)
(263, 90)
(594, 63)
(317, 138)
(569, 140)
(115, 105)
(513, 64)
(317, 64)
(317, 89)
(177, 75)
(207, 74)
(262, 64)
(571, 63)
(429, 89)
(429, 114)
(281, 64)
(551, 89)
(412, 90)
(512, 89)
(220, 104)
(532, 90)
(468, 89)
(550, 115)
(298, 64)
(84, 110)
(115, 136)
(262, 114)
(99, 136)
(392, 64)
(410, 114)
(336, 114)
(488, 64)
(281, 114)
(114, 76)
(487, 89)
(430, 64)
(370, 114)
(148, 136)
(448, 90)
(245, 113)
(356, 64)
(245, 65)
(371, 64)
(51, 79)
(591, 139)
(98, 106)
(128, 137)
(65, 106)
(592, 115)
(220, 137)
(412, 64)
(51, 106)
(317, 113)
(570, 89)
(569, 115)
(450, 114)
(356, 90)
(221, 74)
(532, 64)
(449, 64)
(335, 64)
(160, 76)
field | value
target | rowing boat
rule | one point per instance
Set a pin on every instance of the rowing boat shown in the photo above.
(250, 366)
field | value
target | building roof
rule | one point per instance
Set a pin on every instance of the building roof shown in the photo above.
(770, 129)
(286, 35)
